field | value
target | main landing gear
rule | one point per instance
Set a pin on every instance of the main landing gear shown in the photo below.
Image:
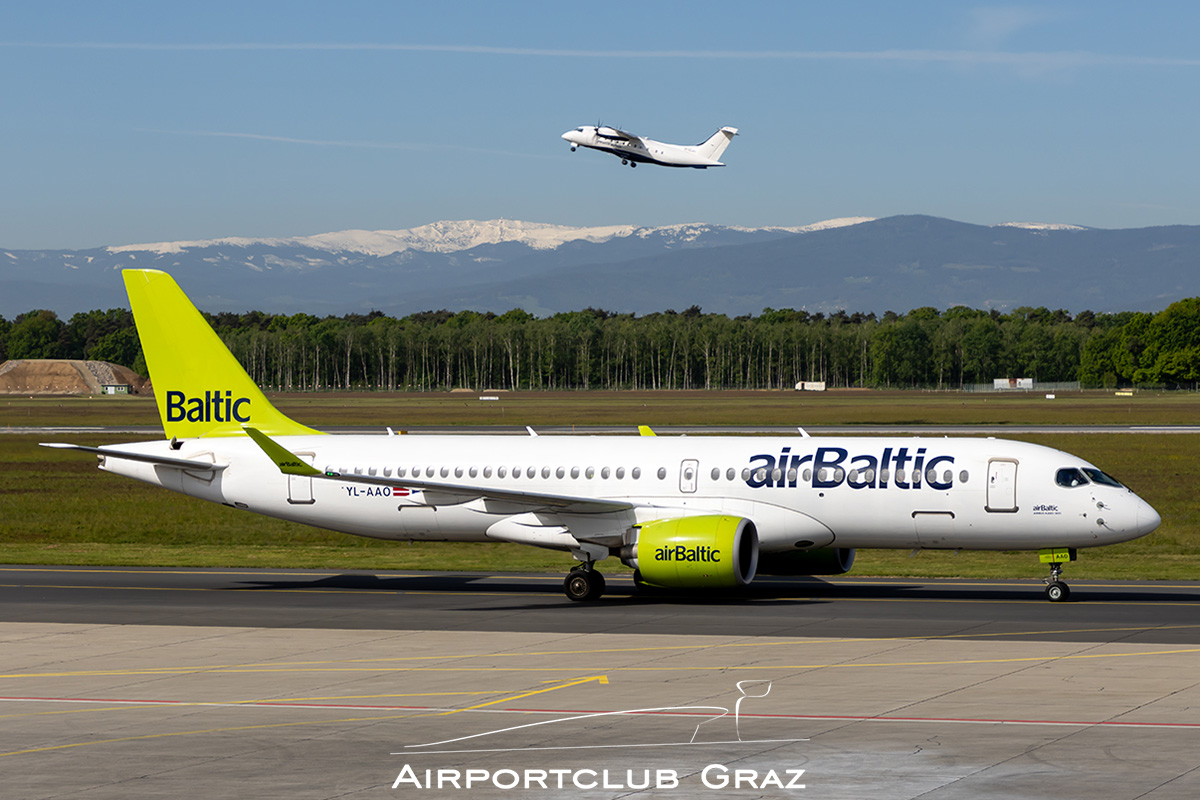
(584, 583)
(1057, 590)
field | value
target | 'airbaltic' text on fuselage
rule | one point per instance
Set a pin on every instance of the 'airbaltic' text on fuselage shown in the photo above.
(831, 467)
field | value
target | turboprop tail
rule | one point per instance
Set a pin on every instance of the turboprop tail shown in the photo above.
(716, 144)
(200, 388)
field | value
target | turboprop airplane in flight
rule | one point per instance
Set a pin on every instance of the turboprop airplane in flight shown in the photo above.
(691, 512)
(633, 150)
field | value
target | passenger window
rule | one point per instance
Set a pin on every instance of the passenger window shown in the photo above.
(604, 473)
(962, 476)
(545, 472)
(487, 472)
(716, 473)
(620, 473)
(662, 473)
(473, 472)
(730, 474)
(574, 472)
(1070, 477)
(400, 472)
(635, 473)
(530, 472)
(501, 472)
(589, 473)
(458, 472)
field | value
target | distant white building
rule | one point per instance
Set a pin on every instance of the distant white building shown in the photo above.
(1013, 384)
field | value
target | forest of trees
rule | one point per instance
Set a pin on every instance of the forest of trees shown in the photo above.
(596, 349)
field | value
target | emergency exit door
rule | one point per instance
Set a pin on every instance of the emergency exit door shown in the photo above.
(688, 471)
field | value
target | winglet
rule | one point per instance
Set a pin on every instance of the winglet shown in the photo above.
(288, 462)
(644, 430)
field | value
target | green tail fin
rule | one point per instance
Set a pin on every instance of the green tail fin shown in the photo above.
(200, 388)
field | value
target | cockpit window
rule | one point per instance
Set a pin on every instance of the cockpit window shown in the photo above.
(1070, 477)
(1101, 478)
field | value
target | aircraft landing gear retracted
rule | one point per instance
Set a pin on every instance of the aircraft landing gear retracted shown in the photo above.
(1057, 590)
(584, 583)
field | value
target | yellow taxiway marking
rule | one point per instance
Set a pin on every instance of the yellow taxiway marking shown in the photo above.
(337, 667)
(384, 662)
(201, 731)
(602, 679)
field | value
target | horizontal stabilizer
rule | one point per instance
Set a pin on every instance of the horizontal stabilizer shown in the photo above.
(162, 461)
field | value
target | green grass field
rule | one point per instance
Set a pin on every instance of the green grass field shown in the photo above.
(57, 508)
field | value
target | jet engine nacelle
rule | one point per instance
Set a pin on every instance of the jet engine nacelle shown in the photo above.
(694, 552)
(821, 561)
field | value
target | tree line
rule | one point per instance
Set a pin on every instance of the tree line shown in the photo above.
(598, 349)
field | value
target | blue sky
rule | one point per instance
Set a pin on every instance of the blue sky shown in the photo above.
(136, 122)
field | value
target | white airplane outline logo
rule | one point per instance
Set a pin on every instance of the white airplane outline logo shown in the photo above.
(634, 150)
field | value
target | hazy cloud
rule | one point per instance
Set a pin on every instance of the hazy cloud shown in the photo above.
(991, 26)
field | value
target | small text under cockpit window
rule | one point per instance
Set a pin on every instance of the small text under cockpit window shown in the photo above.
(1070, 477)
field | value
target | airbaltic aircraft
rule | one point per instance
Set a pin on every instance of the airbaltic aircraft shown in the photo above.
(683, 512)
(633, 149)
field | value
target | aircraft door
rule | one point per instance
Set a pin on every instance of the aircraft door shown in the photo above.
(688, 472)
(300, 486)
(1002, 486)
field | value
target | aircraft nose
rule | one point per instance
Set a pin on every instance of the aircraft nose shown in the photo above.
(1147, 518)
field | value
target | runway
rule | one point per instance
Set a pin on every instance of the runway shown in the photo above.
(123, 683)
(534, 603)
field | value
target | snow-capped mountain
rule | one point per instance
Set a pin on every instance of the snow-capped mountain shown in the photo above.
(855, 263)
(454, 236)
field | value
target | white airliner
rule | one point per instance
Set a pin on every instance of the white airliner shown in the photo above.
(633, 150)
(684, 512)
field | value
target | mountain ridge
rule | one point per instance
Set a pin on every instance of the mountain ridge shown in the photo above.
(856, 264)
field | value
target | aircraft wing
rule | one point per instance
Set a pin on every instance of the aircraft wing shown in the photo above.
(608, 132)
(162, 461)
(440, 492)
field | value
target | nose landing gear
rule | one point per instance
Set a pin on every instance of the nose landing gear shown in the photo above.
(1057, 590)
